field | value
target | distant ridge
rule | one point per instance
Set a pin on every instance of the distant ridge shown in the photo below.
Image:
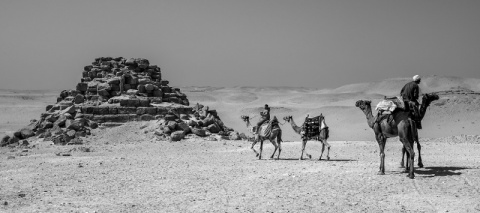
(393, 86)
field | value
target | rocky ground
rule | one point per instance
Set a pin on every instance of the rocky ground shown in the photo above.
(124, 169)
(129, 169)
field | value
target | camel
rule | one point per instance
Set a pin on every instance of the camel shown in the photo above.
(401, 126)
(322, 137)
(426, 100)
(275, 132)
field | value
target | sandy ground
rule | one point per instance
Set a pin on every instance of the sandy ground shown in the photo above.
(127, 170)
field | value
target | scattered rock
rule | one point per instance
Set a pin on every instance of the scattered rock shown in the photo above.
(177, 136)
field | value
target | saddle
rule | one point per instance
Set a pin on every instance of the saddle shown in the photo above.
(312, 126)
(266, 128)
(390, 104)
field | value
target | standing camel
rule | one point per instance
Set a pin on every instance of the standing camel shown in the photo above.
(268, 131)
(401, 126)
(426, 100)
(322, 136)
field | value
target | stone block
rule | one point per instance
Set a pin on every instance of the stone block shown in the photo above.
(48, 107)
(213, 128)
(157, 93)
(103, 92)
(156, 100)
(132, 91)
(114, 87)
(74, 124)
(87, 68)
(79, 99)
(147, 117)
(149, 87)
(144, 102)
(88, 110)
(161, 110)
(86, 79)
(122, 118)
(157, 76)
(99, 118)
(112, 110)
(141, 110)
(133, 102)
(199, 132)
(166, 89)
(88, 116)
(164, 82)
(113, 81)
(175, 100)
(127, 110)
(141, 88)
(96, 111)
(144, 81)
(151, 110)
(103, 110)
(133, 117)
(124, 102)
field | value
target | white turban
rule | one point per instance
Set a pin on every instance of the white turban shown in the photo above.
(416, 78)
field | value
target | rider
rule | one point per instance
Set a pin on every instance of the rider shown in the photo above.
(265, 116)
(410, 93)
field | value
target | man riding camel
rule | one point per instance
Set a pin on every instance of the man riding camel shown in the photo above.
(265, 116)
(410, 93)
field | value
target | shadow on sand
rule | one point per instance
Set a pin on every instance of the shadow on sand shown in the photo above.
(440, 171)
(313, 159)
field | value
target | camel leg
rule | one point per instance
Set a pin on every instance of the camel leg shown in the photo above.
(325, 143)
(381, 143)
(261, 149)
(407, 165)
(253, 144)
(272, 140)
(323, 148)
(407, 137)
(420, 163)
(304, 142)
(419, 147)
(279, 142)
(410, 157)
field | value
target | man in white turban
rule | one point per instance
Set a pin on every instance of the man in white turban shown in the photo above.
(410, 93)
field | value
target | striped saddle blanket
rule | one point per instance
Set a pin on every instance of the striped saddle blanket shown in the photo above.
(313, 126)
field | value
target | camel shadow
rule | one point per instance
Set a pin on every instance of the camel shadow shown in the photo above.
(440, 171)
(313, 159)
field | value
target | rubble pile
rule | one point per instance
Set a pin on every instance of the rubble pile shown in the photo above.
(113, 91)
(201, 122)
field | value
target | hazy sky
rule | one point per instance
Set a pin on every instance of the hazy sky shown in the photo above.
(45, 44)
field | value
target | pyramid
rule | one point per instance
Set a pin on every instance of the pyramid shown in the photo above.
(113, 91)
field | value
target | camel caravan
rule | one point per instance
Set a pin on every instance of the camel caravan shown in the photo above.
(396, 117)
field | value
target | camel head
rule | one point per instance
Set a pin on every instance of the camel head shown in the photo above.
(363, 104)
(429, 97)
(287, 118)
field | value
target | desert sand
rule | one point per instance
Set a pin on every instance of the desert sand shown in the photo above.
(127, 169)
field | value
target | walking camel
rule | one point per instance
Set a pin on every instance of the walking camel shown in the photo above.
(401, 126)
(322, 136)
(268, 131)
